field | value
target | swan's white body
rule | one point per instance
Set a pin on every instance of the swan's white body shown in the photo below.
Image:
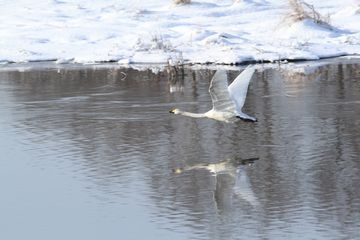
(227, 101)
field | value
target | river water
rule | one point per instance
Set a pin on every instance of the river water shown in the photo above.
(89, 152)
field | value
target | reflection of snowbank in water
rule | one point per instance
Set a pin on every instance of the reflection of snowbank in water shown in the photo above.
(158, 32)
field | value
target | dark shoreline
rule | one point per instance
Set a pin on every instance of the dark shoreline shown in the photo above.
(53, 63)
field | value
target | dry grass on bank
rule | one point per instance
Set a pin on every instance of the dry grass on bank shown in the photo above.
(178, 2)
(300, 10)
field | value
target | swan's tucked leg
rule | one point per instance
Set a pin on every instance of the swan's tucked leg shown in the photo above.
(245, 117)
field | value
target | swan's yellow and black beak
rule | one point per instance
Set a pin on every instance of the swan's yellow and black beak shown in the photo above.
(172, 111)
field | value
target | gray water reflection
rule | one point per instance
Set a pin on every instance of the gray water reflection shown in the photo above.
(87, 154)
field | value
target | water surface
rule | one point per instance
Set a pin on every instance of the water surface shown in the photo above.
(87, 153)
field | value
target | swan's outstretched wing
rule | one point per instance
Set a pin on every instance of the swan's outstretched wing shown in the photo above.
(219, 92)
(238, 90)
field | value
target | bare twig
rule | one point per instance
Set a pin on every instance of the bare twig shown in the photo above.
(302, 10)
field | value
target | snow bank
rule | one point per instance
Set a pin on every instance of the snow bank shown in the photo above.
(157, 31)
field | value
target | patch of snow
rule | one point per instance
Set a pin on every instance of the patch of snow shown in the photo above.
(157, 31)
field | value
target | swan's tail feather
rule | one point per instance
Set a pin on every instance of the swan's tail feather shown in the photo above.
(246, 117)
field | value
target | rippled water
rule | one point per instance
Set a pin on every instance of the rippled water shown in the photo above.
(87, 153)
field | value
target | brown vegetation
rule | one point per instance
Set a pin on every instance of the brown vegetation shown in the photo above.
(300, 10)
(181, 1)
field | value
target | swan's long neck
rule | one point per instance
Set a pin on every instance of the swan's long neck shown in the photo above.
(194, 115)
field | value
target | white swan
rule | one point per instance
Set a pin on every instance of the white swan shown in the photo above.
(227, 100)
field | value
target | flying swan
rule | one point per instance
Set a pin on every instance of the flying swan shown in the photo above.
(227, 100)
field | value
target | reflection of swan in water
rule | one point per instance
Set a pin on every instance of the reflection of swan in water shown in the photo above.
(242, 187)
(228, 166)
(230, 179)
(227, 100)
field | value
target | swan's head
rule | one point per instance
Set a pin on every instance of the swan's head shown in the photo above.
(178, 170)
(175, 111)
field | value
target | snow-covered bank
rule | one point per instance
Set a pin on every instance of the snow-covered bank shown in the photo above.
(156, 31)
